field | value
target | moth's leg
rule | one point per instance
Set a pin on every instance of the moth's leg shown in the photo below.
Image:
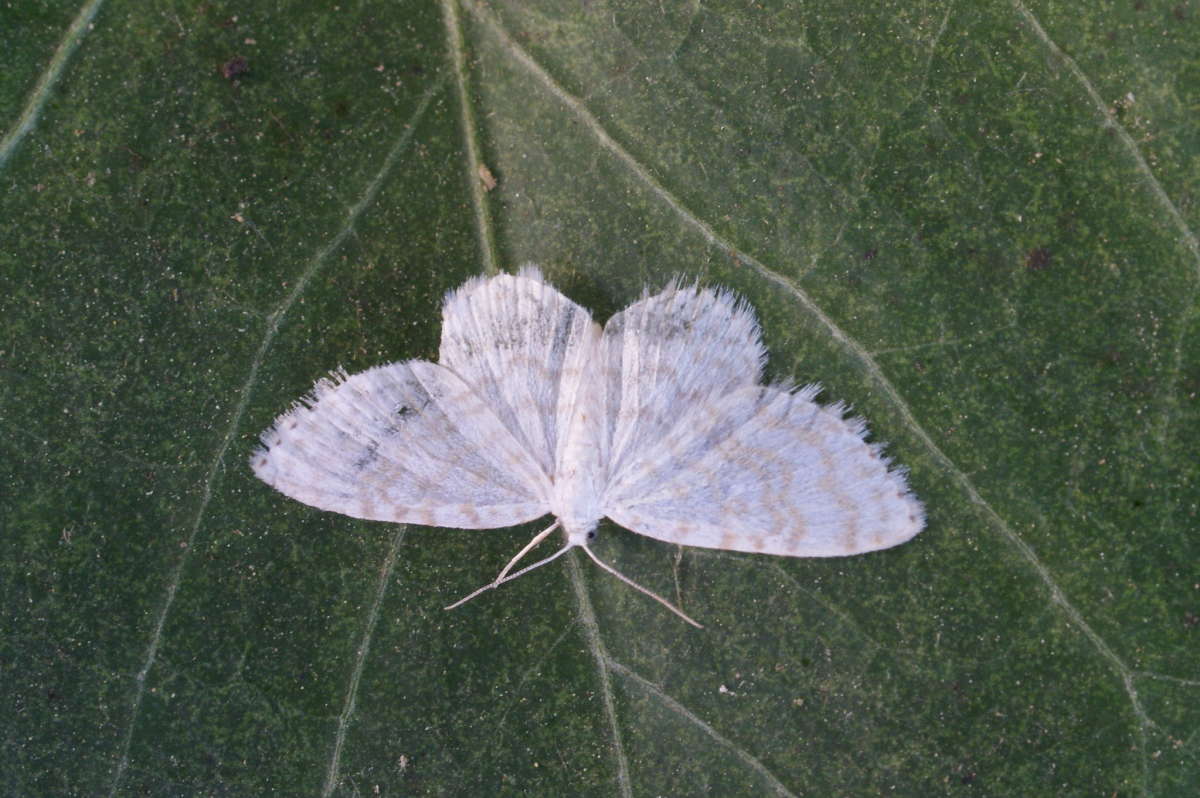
(504, 574)
(538, 538)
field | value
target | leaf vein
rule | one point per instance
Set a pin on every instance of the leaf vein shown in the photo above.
(315, 265)
(678, 708)
(591, 629)
(856, 349)
(1108, 121)
(483, 221)
(364, 648)
(49, 79)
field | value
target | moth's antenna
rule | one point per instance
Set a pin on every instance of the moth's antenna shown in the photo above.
(504, 575)
(638, 587)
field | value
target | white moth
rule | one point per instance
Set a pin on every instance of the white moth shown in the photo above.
(657, 421)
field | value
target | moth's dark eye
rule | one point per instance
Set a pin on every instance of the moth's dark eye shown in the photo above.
(591, 535)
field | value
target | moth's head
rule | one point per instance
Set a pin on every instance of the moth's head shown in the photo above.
(579, 534)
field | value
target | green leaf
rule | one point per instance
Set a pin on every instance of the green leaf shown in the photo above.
(976, 223)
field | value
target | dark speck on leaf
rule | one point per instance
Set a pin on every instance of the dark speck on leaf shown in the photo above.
(137, 161)
(1037, 259)
(870, 253)
(234, 66)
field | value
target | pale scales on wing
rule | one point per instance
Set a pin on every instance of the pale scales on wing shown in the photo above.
(658, 421)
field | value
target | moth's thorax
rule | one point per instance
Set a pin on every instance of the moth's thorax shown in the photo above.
(576, 498)
(579, 471)
(577, 490)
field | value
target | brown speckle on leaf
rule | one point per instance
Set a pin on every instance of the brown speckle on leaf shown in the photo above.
(1037, 259)
(137, 161)
(487, 178)
(234, 66)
